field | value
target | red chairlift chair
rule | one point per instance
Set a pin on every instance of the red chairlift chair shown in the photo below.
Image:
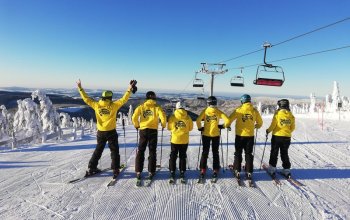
(271, 71)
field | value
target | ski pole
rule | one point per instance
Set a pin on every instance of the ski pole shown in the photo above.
(123, 123)
(222, 154)
(256, 134)
(199, 150)
(264, 150)
(227, 148)
(161, 149)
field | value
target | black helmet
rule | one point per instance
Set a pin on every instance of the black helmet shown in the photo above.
(212, 100)
(150, 95)
(283, 104)
(107, 94)
(245, 98)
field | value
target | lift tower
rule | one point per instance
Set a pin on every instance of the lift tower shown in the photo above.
(212, 69)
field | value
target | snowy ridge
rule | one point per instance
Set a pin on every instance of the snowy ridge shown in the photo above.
(34, 181)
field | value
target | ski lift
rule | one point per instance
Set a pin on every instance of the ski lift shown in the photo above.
(266, 73)
(237, 80)
(201, 96)
(197, 82)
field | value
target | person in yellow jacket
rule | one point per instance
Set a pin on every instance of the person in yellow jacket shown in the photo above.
(211, 116)
(106, 117)
(247, 119)
(145, 119)
(179, 124)
(282, 126)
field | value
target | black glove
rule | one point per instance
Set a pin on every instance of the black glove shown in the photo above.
(134, 87)
(221, 126)
(267, 132)
(229, 128)
(201, 129)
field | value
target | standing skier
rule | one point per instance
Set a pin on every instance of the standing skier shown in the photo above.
(180, 124)
(282, 126)
(145, 119)
(211, 116)
(106, 116)
(247, 119)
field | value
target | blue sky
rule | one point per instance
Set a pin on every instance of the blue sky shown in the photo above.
(51, 44)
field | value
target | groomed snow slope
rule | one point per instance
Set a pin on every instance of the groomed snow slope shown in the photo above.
(33, 183)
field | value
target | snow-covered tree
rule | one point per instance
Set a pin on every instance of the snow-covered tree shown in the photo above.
(66, 120)
(130, 113)
(3, 122)
(49, 117)
(19, 120)
(31, 115)
(312, 108)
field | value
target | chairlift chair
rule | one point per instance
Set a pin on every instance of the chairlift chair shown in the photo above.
(198, 83)
(268, 74)
(237, 80)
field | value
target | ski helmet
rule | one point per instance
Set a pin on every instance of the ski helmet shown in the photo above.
(150, 95)
(283, 104)
(107, 94)
(180, 105)
(245, 98)
(212, 100)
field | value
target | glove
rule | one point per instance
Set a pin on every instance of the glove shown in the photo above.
(221, 126)
(137, 128)
(134, 87)
(267, 132)
(229, 128)
(201, 129)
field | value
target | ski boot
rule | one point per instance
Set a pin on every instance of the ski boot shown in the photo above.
(182, 177)
(172, 177)
(116, 173)
(138, 179)
(92, 171)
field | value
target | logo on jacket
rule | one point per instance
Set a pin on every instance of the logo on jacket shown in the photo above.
(247, 117)
(104, 111)
(180, 124)
(147, 113)
(211, 118)
(284, 122)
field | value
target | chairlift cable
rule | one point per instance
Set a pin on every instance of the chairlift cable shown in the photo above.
(310, 32)
(294, 57)
(290, 39)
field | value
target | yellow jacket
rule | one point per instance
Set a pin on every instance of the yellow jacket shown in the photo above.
(283, 123)
(248, 118)
(180, 125)
(211, 117)
(146, 115)
(105, 110)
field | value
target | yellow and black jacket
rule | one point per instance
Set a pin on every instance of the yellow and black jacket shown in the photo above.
(105, 110)
(283, 123)
(146, 115)
(247, 119)
(180, 125)
(211, 117)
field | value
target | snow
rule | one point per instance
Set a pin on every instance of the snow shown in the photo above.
(33, 182)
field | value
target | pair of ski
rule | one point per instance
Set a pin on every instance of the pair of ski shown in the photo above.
(172, 180)
(147, 181)
(289, 178)
(201, 180)
(239, 179)
(88, 175)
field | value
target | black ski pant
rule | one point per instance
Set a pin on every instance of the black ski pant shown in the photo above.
(215, 151)
(176, 149)
(246, 144)
(147, 137)
(282, 144)
(102, 138)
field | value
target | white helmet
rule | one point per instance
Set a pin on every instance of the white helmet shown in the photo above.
(180, 105)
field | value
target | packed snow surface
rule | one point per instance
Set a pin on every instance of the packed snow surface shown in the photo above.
(34, 181)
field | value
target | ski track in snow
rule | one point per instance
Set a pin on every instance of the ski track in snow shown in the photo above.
(34, 181)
